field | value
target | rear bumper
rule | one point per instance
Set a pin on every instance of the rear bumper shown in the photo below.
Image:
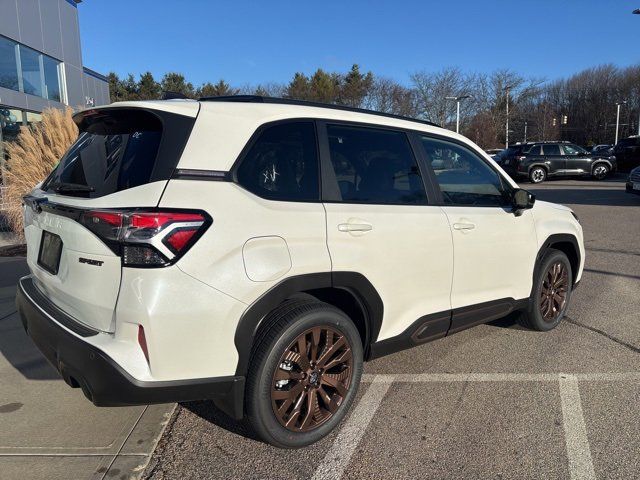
(101, 379)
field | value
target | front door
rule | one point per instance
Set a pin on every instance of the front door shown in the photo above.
(494, 250)
(381, 224)
(577, 160)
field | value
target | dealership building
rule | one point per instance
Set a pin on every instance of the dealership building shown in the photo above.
(41, 62)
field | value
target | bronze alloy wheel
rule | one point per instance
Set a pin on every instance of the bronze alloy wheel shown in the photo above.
(553, 296)
(312, 379)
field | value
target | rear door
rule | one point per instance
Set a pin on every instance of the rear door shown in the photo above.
(122, 158)
(553, 158)
(381, 224)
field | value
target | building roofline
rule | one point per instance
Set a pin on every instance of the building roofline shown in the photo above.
(95, 74)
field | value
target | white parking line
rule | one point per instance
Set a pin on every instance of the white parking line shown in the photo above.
(339, 455)
(575, 431)
(501, 377)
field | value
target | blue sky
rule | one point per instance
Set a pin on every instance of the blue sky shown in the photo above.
(261, 41)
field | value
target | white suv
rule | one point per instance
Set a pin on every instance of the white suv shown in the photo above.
(256, 251)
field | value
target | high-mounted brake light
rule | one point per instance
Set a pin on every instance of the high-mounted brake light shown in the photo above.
(147, 238)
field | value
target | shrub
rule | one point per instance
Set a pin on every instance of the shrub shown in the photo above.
(32, 156)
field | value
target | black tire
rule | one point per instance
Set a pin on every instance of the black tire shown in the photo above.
(600, 171)
(280, 329)
(537, 175)
(534, 317)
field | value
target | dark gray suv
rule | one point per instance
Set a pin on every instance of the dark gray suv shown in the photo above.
(558, 159)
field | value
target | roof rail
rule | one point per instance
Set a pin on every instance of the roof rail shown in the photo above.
(305, 103)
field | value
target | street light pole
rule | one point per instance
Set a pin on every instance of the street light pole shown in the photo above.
(525, 131)
(457, 99)
(618, 118)
(506, 138)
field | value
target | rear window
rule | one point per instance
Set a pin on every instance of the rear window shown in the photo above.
(119, 149)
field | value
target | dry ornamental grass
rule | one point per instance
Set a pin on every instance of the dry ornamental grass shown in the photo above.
(31, 157)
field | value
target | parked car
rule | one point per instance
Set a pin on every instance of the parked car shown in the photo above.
(256, 251)
(492, 152)
(627, 153)
(559, 159)
(508, 157)
(602, 150)
(633, 182)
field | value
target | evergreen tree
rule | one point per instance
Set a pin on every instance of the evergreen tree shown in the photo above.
(355, 87)
(324, 87)
(148, 88)
(117, 92)
(220, 89)
(175, 82)
(299, 88)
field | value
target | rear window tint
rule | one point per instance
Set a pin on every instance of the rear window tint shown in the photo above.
(119, 149)
(282, 164)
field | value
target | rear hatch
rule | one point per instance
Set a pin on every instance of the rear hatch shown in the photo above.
(75, 221)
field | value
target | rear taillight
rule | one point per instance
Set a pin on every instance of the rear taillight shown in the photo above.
(147, 238)
(519, 158)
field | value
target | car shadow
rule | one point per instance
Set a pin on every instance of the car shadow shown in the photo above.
(206, 410)
(15, 345)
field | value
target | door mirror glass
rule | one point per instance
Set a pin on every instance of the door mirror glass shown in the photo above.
(522, 199)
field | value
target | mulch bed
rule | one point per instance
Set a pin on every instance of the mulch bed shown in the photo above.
(14, 251)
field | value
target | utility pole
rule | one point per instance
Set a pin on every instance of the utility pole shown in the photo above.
(618, 118)
(525, 132)
(457, 99)
(506, 138)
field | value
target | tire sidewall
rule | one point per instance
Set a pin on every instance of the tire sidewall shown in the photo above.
(549, 258)
(264, 419)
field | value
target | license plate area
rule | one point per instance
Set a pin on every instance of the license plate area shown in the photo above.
(50, 252)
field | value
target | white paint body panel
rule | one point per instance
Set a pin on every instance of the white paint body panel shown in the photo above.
(407, 256)
(412, 255)
(494, 258)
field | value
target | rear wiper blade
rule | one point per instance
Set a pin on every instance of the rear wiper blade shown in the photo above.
(71, 187)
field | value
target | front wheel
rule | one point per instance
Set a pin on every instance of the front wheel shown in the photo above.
(600, 171)
(551, 292)
(537, 175)
(304, 373)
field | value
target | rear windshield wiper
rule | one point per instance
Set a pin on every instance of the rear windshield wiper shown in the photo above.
(60, 187)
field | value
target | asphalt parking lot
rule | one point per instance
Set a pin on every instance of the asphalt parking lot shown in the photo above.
(496, 401)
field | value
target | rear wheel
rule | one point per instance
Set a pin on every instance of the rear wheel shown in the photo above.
(600, 171)
(304, 373)
(537, 175)
(551, 292)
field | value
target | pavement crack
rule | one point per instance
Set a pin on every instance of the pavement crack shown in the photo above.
(8, 315)
(622, 343)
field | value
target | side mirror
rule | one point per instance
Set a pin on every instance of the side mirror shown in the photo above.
(522, 200)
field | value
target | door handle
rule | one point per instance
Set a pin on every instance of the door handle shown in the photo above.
(355, 227)
(464, 226)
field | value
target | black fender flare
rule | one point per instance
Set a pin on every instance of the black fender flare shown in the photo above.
(356, 283)
(537, 164)
(552, 240)
(596, 161)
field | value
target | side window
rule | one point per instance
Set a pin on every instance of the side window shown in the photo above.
(551, 149)
(535, 150)
(375, 166)
(282, 164)
(464, 178)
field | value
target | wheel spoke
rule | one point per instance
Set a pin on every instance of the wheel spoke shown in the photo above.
(327, 354)
(342, 358)
(315, 343)
(312, 403)
(327, 400)
(302, 350)
(335, 383)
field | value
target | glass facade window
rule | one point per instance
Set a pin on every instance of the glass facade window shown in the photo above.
(8, 64)
(51, 78)
(26, 70)
(10, 123)
(31, 72)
